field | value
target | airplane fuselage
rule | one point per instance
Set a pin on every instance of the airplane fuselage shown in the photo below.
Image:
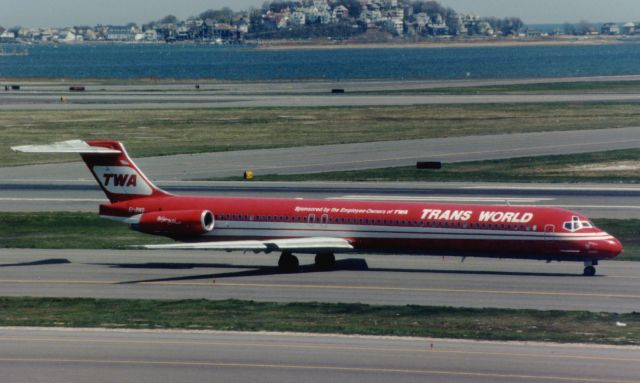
(325, 227)
(389, 227)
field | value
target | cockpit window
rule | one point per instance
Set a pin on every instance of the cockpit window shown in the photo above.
(576, 224)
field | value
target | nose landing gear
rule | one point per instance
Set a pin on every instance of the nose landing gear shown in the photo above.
(589, 269)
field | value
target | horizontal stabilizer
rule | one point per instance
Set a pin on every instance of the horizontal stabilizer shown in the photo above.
(72, 146)
(311, 245)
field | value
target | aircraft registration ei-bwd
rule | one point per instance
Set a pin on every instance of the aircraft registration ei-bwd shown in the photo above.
(326, 227)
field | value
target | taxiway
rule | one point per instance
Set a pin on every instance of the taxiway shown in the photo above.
(373, 279)
(57, 355)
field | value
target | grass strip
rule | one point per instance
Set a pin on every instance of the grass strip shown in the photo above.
(75, 230)
(177, 131)
(616, 166)
(236, 315)
(68, 230)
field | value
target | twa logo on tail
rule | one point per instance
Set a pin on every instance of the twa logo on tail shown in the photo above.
(121, 180)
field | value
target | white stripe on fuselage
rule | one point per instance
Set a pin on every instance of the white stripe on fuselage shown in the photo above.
(284, 229)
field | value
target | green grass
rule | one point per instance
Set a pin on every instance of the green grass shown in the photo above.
(163, 132)
(64, 230)
(557, 168)
(424, 321)
(539, 88)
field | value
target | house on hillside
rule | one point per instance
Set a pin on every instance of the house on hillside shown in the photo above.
(340, 13)
(437, 26)
(119, 33)
(610, 29)
(298, 18)
(220, 32)
(69, 36)
(7, 36)
(151, 35)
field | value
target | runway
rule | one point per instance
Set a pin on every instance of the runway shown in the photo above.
(373, 279)
(43, 95)
(57, 355)
(323, 158)
(47, 95)
(32, 87)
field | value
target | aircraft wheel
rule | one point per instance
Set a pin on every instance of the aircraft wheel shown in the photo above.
(325, 260)
(589, 271)
(288, 263)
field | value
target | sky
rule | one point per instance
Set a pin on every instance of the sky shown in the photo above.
(59, 13)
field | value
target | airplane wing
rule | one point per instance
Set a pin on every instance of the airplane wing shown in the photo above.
(301, 245)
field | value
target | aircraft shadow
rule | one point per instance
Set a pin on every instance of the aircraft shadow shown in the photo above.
(173, 265)
(252, 271)
(52, 261)
(351, 264)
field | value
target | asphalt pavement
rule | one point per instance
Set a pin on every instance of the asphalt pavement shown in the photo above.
(366, 278)
(90, 355)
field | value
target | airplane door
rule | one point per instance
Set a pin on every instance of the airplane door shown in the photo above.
(324, 220)
(548, 236)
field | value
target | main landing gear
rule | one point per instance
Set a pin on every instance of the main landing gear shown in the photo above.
(589, 269)
(325, 260)
(289, 263)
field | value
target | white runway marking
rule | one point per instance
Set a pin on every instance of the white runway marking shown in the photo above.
(596, 206)
(12, 199)
(552, 187)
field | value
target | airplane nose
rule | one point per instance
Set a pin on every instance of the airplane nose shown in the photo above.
(612, 246)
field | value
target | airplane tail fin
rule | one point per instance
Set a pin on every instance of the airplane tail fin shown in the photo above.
(108, 161)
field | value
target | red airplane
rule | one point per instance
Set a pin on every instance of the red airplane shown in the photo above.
(326, 227)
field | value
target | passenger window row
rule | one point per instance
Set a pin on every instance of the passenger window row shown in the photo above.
(367, 221)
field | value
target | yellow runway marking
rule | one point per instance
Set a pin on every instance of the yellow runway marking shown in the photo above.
(307, 367)
(307, 346)
(214, 284)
